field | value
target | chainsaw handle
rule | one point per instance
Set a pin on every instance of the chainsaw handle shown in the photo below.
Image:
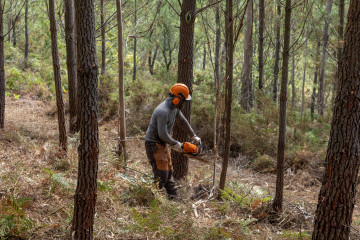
(200, 149)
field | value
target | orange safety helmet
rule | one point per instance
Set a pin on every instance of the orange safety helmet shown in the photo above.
(181, 92)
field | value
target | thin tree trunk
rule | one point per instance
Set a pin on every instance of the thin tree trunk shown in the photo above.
(229, 36)
(217, 43)
(293, 95)
(204, 57)
(135, 41)
(261, 42)
(57, 77)
(71, 62)
(185, 75)
(277, 53)
(103, 29)
(278, 200)
(151, 57)
(14, 20)
(336, 200)
(321, 104)
(317, 69)
(2, 69)
(217, 111)
(26, 34)
(303, 83)
(88, 150)
(122, 126)
(246, 76)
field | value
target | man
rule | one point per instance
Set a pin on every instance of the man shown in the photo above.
(158, 137)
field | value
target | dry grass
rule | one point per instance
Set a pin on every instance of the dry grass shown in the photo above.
(128, 205)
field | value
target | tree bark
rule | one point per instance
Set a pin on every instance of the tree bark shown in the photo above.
(277, 53)
(88, 151)
(135, 41)
(122, 126)
(71, 63)
(321, 104)
(57, 77)
(293, 95)
(317, 70)
(278, 200)
(229, 45)
(103, 28)
(246, 76)
(303, 83)
(340, 42)
(185, 75)
(26, 34)
(336, 202)
(2, 68)
(261, 42)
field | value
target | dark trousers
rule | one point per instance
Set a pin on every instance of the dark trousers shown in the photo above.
(160, 160)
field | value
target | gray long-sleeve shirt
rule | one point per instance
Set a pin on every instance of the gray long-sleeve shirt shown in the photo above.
(162, 122)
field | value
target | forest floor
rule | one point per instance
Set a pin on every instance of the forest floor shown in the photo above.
(37, 187)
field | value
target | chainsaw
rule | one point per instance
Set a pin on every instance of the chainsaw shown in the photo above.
(193, 151)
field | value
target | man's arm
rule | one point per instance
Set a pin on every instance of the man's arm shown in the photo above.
(185, 124)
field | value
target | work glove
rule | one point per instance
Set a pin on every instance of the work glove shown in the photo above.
(177, 147)
(196, 139)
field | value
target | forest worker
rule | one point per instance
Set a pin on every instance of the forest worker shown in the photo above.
(158, 137)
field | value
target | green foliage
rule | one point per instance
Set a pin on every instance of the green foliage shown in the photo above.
(105, 185)
(58, 180)
(13, 218)
(140, 194)
(296, 235)
(264, 163)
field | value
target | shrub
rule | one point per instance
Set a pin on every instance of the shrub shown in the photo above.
(264, 163)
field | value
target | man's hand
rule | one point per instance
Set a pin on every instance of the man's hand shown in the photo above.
(177, 147)
(196, 139)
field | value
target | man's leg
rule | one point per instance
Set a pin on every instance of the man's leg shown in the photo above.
(160, 160)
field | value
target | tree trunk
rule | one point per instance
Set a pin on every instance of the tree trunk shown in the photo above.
(88, 151)
(340, 43)
(261, 42)
(321, 105)
(71, 62)
(303, 83)
(57, 77)
(229, 44)
(151, 57)
(122, 126)
(217, 43)
(103, 28)
(317, 70)
(185, 75)
(336, 202)
(26, 34)
(246, 76)
(204, 57)
(14, 20)
(278, 200)
(217, 71)
(2, 69)
(135, 40)
(277, 53)
(293, 95)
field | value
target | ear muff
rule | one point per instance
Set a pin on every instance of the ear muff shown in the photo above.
(176, 100)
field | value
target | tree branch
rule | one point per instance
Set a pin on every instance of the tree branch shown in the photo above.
(209, 5)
